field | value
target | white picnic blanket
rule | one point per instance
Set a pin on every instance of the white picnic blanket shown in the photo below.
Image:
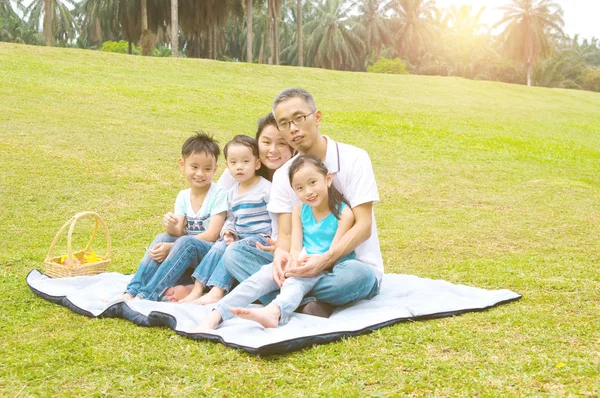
(401, 298)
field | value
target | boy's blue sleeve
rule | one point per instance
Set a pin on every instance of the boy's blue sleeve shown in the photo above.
(180, 204)
(219, 203)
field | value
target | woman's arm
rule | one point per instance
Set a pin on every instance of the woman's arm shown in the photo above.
(214, 228)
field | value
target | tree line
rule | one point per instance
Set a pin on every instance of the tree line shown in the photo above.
(351, 35)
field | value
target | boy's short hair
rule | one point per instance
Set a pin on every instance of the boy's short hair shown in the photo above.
(293, 93)
(244, 140)
(201, 142)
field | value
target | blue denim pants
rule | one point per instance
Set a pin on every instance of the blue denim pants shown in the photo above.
(152, 278)
(291, 294)
(347, 281)
(212, 272)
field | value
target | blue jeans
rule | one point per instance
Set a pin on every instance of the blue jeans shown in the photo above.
(291, 294)
(348, 281)
(212, 272)
(152, 278)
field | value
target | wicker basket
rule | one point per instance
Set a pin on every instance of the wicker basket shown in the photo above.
(55, 269)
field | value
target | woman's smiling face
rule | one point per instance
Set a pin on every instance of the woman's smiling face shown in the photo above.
(273, 150)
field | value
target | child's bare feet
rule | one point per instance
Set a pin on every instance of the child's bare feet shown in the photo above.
(215, 294)
(194, 294)
(137, 298)
(267, 316)
(178, 292)
(127, 296)
(210, 322)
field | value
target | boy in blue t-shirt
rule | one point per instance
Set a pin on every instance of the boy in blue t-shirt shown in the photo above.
(191, 229)
(248, 220)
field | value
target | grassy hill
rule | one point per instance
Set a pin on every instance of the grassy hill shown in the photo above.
(481, 183)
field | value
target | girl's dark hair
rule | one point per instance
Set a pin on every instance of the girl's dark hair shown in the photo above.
(335, 197)
(243, 140)
(264, 122)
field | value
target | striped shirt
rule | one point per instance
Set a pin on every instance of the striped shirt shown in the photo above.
(248, 213)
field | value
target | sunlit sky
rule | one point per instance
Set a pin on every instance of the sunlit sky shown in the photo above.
(580, 16)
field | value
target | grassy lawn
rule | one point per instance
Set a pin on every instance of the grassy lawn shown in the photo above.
(481, 183)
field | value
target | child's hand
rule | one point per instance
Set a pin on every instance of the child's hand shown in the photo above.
(270, 248)
(169, 220)
(228, 238)
(307, 266)
(160, 251)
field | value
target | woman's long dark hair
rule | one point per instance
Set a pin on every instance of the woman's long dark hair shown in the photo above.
(335, 197)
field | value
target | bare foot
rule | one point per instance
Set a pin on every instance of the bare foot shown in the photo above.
(178, 292)
(267, 316)
(210, 322)
(127, 296)
(194, 294)
(215, 294)
(137, 298)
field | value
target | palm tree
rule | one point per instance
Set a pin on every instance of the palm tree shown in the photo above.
(299, 32)
(274, 17)
(375, 25)
(332, 43)
(529, 24)
(6, 9)
(467, 48)
(175, 28)
(58, 21)
(113, 19)
(249, 31)
(416, 27)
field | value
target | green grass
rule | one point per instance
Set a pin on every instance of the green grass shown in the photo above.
(481, 183)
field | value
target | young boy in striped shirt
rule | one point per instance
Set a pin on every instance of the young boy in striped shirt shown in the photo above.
(248, 220)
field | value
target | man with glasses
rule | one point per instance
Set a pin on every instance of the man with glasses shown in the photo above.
(298, 121)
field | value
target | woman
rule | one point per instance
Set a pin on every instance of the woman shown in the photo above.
(273, 152)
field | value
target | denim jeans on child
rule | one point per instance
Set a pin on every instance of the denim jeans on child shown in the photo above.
(153, 278)
(348, 281)
(261, 283)
(212, 272)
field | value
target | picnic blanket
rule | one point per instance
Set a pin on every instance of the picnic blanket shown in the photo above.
(402, 298)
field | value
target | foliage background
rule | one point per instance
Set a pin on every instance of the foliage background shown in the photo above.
(525, 45)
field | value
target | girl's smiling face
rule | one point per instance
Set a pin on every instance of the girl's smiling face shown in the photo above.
(273, 150)
(311, 186)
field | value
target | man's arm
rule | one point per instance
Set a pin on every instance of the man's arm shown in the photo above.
(281, 256)
(360, 232)
(284, 235)
(297, 234)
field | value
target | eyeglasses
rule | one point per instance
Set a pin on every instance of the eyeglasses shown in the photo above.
(297, 120)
